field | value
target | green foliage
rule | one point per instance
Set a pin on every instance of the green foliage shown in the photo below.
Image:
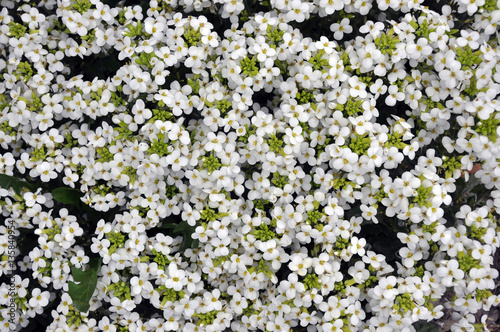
(160, 259)
(74, 317)
(105, 154)
(249, 66)
(341, 243)
(394, 139)
(207, 318)
(24, 71)
(490, 5)
(123, 131)
(38, 154)
(89, 37)
(386, 42)
(314, 217)
(101, 189)
(7, 182)
(121, 290)
(423, 29)
(262, 267)
(185, 230)
(16, 30)
(471, 89)
(467, 262)
(159, 146)
(171, 191)
(81, 293)
(483, 294)
(341, 183)
(450, 165)
(370, 282)
(467, 57)
(133, 31)
(211, 163)
(360, 144)
(403, 303)
(488, 128)
(194, 84)
(262, 204)
(279, 180)
(275, 35)
(311, 280)
(70, 141)
(169, 294)
(422, 198)
(352, 107)
(161, 114)
(192, 36)
(68, 196)
(224, 106)
(117, 240)
(145, 59)
(264, 233)
(380, 195)
(318, 61)
(275, 144)
(82, 6)
(304, 96)
(249, 131)
(208, 214)
(477, 232)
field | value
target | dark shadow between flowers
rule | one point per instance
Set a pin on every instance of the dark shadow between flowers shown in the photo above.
(382, 238)
(101, 66)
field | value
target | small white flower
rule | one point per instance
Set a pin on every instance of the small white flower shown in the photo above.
(39, 298)
(339, 29)
(300, 265)
(450, 272)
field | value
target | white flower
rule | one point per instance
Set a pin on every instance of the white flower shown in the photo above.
(221, 246)
(419, 49)
(362, 123)
(45, 170)
(394, 95)
(299, 264)
(339, 29)
(106, 325)
(214, 142)
(190, 215)
(176, 160)
(450, 273)
(369, 213)
(291, 286)
(308, 77)
(394, 157)
(33, 18)
(80, 259)
(299, 11)
(39, 298)
(70, 178)
(357, 246)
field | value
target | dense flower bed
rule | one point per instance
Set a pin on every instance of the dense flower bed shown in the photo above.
(195, 165)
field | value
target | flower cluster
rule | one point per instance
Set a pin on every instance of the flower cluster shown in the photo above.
(252, 165)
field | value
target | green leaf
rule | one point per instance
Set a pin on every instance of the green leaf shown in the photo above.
(426, 327)
(168, 226)
(187, 242)
(185, 230)
(7, 182)
(182, 227)
(67, 195)
(81, 293)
